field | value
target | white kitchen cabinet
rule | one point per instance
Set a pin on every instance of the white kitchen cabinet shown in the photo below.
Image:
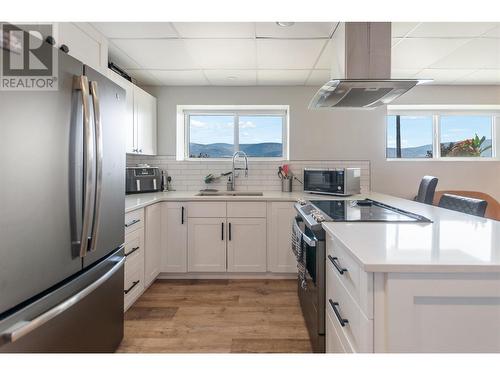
(174, 237)
(153, 229)
(207, 244)
(145, 122)
(134, 257)
(129, 108)
(246, 245)
(280, 258)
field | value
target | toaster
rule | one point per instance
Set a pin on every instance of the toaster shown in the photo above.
(142, 180)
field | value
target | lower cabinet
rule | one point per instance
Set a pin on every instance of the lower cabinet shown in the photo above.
(246, 245)
(152, 255)
(174, 237)
(207, 244)
(280, 216)
(134, 262)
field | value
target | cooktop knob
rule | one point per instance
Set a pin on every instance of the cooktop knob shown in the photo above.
(301, 201)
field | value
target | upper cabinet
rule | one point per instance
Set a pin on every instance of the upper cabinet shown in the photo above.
(140, 119)
(145, 122)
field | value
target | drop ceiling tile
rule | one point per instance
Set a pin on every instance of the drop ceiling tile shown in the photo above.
(404, 73)
(120, 58)
(223, 53)
(483, 76)
(318, 78)
(136, 29)
(479, 53)
(231, 77)
(157, 53)
(224, 30)
(288, 54)
(282, 77)
(298, 30)
(421, 53)
(443, 75)
(180, 77)
(143, 77)
(325, 60)
(451, 29)
(400, 29)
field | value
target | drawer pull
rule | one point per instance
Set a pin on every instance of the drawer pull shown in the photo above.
(334, 260)
(126, 291)
(341, 320)
(134, 249)
(129, 224)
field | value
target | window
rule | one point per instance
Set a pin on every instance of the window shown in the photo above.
(218, 133)
(441, 135)
(465, 136)
(409, 136)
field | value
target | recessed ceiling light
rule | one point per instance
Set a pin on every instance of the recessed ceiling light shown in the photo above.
(231, 78)
(285, 24)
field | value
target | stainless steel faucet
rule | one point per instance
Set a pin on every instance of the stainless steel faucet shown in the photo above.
(231, 186)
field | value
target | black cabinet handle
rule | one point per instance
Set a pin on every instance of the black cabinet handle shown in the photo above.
(222, 231)
(126, 291)
(334, 260)
(341, 320)
(132, 251)
(229, 231)
(182, 215)
(135, 221)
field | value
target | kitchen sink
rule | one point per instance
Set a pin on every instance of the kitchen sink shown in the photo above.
(230, 194)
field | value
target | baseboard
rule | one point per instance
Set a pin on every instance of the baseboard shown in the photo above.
(225, 275)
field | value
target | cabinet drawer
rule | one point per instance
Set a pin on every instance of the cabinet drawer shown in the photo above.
(133, 280)
(358, 283)
(335, 342)
(246, 209)
(206, 209)
(358, 330)
(134, 245)
(134, 220)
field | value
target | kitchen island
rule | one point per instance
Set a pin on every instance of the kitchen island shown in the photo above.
(413, 287)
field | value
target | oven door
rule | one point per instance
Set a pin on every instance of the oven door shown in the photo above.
(312, 296)
(324, 181)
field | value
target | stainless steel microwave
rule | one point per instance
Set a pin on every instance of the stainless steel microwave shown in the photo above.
(342, 181)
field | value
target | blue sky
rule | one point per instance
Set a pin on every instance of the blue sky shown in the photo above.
(207, 129)
(417, 130)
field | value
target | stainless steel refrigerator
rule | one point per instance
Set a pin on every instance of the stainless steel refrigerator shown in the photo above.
(62, 191)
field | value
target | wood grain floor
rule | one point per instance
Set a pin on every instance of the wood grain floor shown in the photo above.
(217, 316)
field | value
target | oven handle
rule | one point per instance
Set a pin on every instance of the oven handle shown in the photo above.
(308, 240)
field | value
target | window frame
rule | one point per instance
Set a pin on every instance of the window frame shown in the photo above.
(436, 113)
(184, 113)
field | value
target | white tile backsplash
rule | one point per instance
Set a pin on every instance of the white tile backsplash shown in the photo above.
(262, 175)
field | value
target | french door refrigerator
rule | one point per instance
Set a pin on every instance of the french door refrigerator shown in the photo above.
(62, 191)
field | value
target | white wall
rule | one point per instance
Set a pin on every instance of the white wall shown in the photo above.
(345, 134)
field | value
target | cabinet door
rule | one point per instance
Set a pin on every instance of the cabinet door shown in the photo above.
(152, 243)
(279, 252)
(207, 244)
(246, 245)
(145, 117)
(174, 237)
(129, 105)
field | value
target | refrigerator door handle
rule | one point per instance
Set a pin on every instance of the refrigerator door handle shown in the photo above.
(94, 92)
(81, 83)
(21, 329)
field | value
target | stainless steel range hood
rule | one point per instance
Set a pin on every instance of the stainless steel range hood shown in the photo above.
(361, 69)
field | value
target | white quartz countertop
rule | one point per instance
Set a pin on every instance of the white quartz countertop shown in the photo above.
(453, 242)
(135, 201)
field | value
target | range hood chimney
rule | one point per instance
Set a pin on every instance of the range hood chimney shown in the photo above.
(361, 69)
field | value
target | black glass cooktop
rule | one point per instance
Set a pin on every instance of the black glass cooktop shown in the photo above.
(365, 210)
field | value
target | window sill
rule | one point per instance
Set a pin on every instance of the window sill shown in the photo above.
(442, 159)
(250, 158)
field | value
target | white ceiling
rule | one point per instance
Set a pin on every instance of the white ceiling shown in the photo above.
(263, 53)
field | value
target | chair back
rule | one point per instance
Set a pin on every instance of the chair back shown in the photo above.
(426, 189)
(466, 205)
(492, 209)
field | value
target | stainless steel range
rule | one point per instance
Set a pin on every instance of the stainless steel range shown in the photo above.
(308, 245)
